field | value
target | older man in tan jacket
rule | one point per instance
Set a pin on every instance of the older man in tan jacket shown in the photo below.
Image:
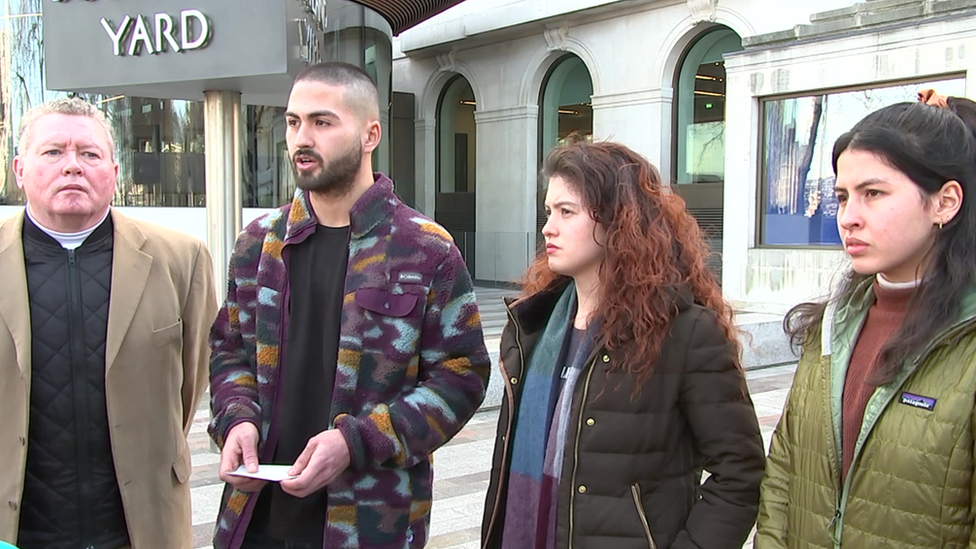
(103, 350)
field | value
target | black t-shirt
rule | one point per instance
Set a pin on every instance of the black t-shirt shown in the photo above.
(316, 277)
(575, 339)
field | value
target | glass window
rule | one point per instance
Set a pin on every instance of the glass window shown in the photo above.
(700, 109)
(456, 134)
(161, 151)
(797, 179)
(160, 142)
(360, 36)
(565, 108)
(268, 179)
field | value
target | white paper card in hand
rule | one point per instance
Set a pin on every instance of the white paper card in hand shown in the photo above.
(271, 473)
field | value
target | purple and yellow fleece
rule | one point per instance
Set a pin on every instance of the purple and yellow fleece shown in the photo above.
(411, 370)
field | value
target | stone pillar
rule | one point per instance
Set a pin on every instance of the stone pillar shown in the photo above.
(426, 150)
(508, 166)
(221, 119)
(741, 184)
(222, 144)
(636, 119)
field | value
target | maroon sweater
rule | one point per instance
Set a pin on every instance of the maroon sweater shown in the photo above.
(884, 319)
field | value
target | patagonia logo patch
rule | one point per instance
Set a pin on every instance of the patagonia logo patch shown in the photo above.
(410, 277)
(918, 401)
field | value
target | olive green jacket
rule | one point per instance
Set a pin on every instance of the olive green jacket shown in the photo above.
(911, 481)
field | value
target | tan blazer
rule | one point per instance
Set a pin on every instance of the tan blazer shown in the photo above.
(156, 367)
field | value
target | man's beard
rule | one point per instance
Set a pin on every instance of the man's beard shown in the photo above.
(334, 178)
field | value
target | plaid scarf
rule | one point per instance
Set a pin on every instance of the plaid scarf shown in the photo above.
(540, 431)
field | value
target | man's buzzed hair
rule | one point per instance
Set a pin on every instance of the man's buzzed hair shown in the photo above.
(361, 94)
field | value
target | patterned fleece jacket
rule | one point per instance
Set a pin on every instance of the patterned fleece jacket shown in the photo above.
(411, 371)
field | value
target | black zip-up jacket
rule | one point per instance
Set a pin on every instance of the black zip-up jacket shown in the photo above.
(71, 497)
(631, 477)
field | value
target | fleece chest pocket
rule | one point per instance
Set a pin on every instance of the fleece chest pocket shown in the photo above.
(382, 301)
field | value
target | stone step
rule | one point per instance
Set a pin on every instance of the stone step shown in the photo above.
(494, 314)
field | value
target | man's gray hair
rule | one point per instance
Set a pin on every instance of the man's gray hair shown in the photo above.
(66, 105)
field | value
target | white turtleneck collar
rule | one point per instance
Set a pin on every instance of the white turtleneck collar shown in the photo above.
(889, 285)
(68, 241)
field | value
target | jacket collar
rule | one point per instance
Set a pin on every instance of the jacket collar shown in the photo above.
(32, 231)
(841, 319)
(372, 208)
(130, 279)
(838, 317)
(11, 231)
(532, 312)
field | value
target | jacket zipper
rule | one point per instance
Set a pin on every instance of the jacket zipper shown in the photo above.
(836, 525)
(510, 396)
(79, 388)
(635, 491)
(579, 429)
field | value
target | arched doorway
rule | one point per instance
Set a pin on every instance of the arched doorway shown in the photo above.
(698, 150)
(565, 109)
(454, 202)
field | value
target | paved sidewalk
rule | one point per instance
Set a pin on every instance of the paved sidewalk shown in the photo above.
(461, 467)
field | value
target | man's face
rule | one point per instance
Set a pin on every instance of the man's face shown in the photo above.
(325, 138)
(67, 172)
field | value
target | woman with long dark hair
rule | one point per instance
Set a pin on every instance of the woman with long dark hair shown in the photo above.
(875, 444)
(622, 376)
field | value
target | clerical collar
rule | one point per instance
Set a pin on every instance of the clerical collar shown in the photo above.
(68, 241)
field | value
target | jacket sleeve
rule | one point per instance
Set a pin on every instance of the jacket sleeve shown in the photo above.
(772, 529)
(198, 315)
(451, 380)
(715, 402)
(233, 381)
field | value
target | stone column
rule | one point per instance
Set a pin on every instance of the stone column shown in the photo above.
(638, 119)
(222, 145)
(741, 184)
(426, 150)
(508, 165)
(223, 166)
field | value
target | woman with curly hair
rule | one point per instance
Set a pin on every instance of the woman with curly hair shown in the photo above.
(622, 376)
(875, 447)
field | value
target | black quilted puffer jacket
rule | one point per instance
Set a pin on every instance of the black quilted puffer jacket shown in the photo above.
(71, 496)
(631, 476)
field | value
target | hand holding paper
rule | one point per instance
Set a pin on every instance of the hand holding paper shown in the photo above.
(325, 457)
(240, 450)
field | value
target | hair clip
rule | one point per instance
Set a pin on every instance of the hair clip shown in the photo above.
(929, 97)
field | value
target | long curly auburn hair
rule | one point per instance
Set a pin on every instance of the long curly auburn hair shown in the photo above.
(653, 248)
